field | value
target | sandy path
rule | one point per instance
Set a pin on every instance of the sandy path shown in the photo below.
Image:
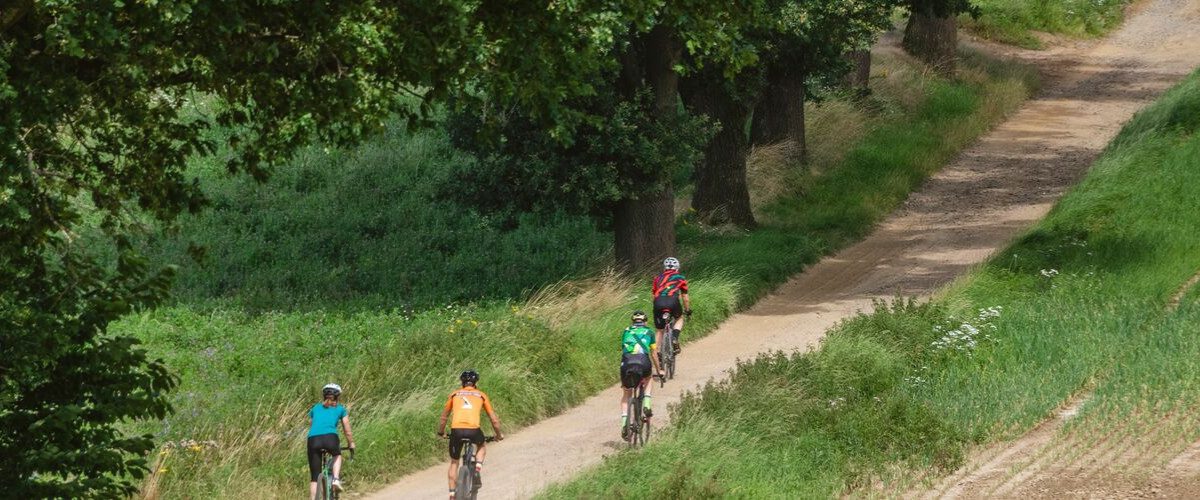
(998, 186)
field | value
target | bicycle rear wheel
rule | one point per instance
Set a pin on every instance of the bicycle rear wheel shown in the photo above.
(466, 480)
(645, 438)
(324, 487)
(633, 414)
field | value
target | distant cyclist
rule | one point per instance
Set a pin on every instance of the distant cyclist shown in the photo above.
(465, 405)
(638, 354)
(323, 436)
(670, 291)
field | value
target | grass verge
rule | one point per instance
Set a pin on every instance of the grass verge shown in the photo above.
(248, 377)
(1015, 21)
(897, 395)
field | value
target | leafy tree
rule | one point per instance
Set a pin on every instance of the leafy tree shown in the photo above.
(793, 40)
(932, 31)
(811, 39)
(96, 122)
(522, 169)
(638, 76)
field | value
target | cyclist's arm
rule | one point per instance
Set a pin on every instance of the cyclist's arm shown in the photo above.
(487, 406)
(687, 301)
(654, 359)
(445, 414)
(346, 429)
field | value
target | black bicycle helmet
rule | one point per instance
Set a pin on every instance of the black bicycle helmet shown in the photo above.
(469, 377)
(638, 317)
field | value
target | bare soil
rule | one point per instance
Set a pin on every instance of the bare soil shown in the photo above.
(997, 187)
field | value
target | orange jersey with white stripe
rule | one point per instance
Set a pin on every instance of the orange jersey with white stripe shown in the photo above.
(465, 405)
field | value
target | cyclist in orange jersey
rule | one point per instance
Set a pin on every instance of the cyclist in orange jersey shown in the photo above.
(465, 405)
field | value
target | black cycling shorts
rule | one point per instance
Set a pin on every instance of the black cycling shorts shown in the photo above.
(634, 368)
(672, 304)
(456, 440)
(317, 444)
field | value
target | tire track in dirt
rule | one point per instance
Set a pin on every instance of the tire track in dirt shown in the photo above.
(998, 186)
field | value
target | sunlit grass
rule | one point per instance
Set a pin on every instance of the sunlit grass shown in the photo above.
(1013, 21)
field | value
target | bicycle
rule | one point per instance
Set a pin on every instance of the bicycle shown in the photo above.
(325, 489)
(638, 427)
(667, 350)
(469, 481)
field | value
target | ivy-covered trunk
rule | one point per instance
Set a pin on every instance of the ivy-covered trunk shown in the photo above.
(721, 191)
(779, 116)
(933, 38)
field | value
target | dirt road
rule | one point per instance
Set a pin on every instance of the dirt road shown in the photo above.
(998, 186)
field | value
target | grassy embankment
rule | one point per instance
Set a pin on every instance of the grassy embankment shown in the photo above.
(1014, 21)
(250, 367)
(1077, 302)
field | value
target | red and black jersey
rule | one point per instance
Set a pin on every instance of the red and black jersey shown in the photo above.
(669, 284)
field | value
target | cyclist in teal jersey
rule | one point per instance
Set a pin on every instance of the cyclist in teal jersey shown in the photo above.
(638, 354)
(323, 436)
(670, 290)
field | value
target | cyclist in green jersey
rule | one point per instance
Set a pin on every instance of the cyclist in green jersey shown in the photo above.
(639, 353)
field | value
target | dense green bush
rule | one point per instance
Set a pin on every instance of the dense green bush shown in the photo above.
(372, 226)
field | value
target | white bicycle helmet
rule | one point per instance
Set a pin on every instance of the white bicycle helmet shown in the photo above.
(331, 388)
(671, 263)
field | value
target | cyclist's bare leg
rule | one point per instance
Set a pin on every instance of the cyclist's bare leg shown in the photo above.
(480, 453)
(337, 466)
(312, 490)
(678, 324)
(452, 474)
(626, 393)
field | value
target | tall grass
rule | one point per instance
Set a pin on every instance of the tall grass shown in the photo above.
(1077, 302)
(1013, 21)
(367, 227)
(249, 372)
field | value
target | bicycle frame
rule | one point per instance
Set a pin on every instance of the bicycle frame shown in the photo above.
(465, 486)
(325, 480)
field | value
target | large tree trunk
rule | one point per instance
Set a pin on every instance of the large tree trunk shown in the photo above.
(721, 192)
(645, 227)
(859, 75)
(644, 230)
(933, 39)
(664, 51)
(779, 116)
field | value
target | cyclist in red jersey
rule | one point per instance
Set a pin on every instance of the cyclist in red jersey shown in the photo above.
(670, 290)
